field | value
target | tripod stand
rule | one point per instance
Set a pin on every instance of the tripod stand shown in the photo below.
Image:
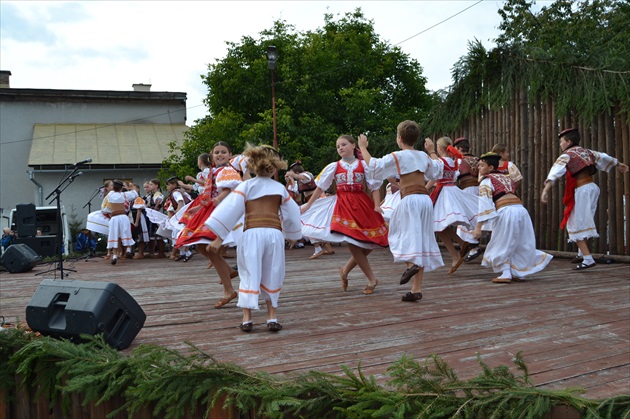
(63, 185)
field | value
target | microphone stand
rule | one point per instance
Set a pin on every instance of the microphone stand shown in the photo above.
(63, 185)
(89, 202)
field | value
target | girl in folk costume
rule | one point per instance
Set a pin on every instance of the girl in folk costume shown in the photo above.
(199, 182)
(218, 181)
(411, 237)
(468, 181)
(512, 247)
(176, 201)
(506, 166)
(119, 225)
(155, 201)
(268, 211)
(451, 206)
(579, 164)
(349, 216)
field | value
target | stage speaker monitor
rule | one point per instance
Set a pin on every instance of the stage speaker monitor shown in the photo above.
(26, 220)
(19, 258)
(69, 309)
(44, 246)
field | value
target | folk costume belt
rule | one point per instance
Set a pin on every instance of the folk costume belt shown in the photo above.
(262, 221)
(117, 209)
(413, 190)
(466, 182)
(583, 180)
(507, 201)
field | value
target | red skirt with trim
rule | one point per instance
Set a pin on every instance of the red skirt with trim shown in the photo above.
(354, 216)
(194, 220)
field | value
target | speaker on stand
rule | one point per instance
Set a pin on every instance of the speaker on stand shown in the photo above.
(26, 220)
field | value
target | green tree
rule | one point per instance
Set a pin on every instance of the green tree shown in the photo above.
(577, 53)
(338, 79)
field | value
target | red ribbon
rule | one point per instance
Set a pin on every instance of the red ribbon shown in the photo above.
(569, 198)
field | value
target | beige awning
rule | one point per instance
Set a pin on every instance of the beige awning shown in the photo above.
(59, 144)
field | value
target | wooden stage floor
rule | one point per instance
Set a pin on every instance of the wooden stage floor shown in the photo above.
(573, 328)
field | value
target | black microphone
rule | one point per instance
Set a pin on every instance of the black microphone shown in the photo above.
(75, 175)
(83, 162)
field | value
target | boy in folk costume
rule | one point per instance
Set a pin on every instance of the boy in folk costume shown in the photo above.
(581, 194)
(268, 210)
(118, 203)
(468, 181)
(512, 247)
(411, 238)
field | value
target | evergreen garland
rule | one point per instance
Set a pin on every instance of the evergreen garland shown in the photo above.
(176, 386)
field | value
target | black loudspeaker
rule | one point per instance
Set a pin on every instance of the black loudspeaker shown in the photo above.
(69, 309)
(26, 220)
(44, 246)
(19, 258)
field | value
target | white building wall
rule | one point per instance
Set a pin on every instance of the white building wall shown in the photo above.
(17, 119)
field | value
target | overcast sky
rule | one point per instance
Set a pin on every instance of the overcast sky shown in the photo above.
(103, 45)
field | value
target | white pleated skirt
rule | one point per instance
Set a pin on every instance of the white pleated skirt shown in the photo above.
(455, 207)
(581, 222)
(411, 236)
(513, 244)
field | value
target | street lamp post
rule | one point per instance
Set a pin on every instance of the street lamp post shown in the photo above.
(272, 58)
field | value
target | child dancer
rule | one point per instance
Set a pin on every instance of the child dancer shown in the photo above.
(349, 216)
(219, 179)
(506, 166)
(119, 225)
(411, 237)
(268, 210)
(451, 206)
(468, 181)
(512, 247)
(581, 194)
(155, 201)
(176, 201)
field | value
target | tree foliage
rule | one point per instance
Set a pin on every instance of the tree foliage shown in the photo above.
(575, 53)
(338, 79)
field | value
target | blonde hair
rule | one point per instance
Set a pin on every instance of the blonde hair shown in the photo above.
(263, 160)
(444, 142)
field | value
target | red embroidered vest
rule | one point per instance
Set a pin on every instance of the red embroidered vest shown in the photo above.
(579, 159)
(170, 201)
(503, 169)
(448, 175)
(356, 184)
(502, 185)
(214, 191)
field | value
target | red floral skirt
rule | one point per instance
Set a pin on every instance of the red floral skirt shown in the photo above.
(354, 216)
(194, 219)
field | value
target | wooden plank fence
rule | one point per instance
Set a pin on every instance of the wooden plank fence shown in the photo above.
(530, 131)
